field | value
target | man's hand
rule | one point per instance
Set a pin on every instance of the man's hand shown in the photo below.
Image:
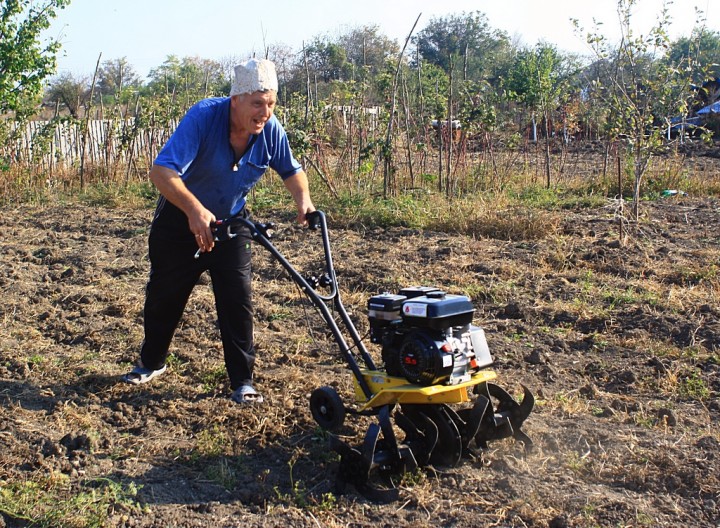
(299, 189)
(199, 222)
(174, 190)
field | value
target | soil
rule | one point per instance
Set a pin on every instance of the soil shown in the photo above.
(616, 335)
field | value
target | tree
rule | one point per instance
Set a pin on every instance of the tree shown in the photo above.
(25, 62)
(702, 48)
(701, 54)
(116, 76)
(468, 42)
(539, 78)
(367, 50)
(284, 58)
(327, 60)
(192, 76)
(69, 91)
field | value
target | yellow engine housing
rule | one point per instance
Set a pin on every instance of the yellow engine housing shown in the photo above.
(390, 389)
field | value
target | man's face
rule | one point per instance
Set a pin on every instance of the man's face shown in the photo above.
(252, 111)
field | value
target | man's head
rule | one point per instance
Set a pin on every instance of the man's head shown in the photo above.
(253, 95)
(255, 75)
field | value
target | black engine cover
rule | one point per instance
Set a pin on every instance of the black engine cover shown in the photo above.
(421, 361)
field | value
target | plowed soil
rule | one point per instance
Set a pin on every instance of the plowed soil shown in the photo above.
(617, 336)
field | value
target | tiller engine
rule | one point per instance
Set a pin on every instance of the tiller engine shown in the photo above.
(435, 386)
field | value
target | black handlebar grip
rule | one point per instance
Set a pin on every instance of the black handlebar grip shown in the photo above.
(313, 219)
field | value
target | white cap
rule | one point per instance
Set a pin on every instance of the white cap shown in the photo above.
(254, 75)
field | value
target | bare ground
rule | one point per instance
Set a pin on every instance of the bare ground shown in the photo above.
(619, 342)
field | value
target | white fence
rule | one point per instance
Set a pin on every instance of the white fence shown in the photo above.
(100, 141)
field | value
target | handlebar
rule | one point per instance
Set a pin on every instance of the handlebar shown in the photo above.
(261, 232)
(314, 219)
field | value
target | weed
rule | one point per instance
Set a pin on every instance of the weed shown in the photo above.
(644, 519)
(211, 442)
(213, 379)
(693, 387)
(133, 194)
(413, 478)
(570, 402)
(301, 497)
(643, 420)
(281, 315)
(685, 385)
(174, 361)
(298, 493)
(577, 463)
(223, 473)
(36, 360)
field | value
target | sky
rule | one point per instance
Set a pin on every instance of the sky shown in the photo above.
(146, 32)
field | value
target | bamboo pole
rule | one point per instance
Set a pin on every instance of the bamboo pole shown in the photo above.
(387, 150)
(87, 120)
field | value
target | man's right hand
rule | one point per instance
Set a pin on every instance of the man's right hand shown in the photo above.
(199, 222)
(171, 186)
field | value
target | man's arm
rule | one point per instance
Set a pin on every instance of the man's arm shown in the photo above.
(297, 185)
(171, 186)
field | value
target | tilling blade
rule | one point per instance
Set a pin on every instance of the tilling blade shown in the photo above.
(507, 419)
(421, 432)
(449, 448)
(368, 447)
(355, 468)
(472, 419)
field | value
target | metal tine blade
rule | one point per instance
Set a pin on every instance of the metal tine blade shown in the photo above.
(527, 404)
(510, 414)
(473, 418)
(507, 402)
(378, 495)
(421, 432)
(518, 412)
(368, 447)
(448, 436)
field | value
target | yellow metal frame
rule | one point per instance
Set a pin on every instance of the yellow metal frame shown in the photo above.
(389, 390)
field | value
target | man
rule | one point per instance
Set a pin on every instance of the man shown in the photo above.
(218, 152)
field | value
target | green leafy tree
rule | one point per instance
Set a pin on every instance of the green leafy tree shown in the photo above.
(539, 78)
(367, 50)
(25, 61)
(193, 77)
(468, 43)
(117, 78)
(702, 49)
(166, 77)
(327, 60)
(700, 52)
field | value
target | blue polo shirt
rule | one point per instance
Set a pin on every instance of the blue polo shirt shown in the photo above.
(200, 152)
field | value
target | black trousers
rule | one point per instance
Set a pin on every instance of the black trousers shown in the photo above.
(174, 272)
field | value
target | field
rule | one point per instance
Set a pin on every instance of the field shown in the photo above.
(618, 338)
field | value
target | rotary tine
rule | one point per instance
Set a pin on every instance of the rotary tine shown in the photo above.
(421, 433)
(516, 413)
(355, 467)
(389, 455)
(472, 420)
(507, 418)
(449, 440)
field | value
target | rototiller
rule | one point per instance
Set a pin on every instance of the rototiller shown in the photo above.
(433, 357)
